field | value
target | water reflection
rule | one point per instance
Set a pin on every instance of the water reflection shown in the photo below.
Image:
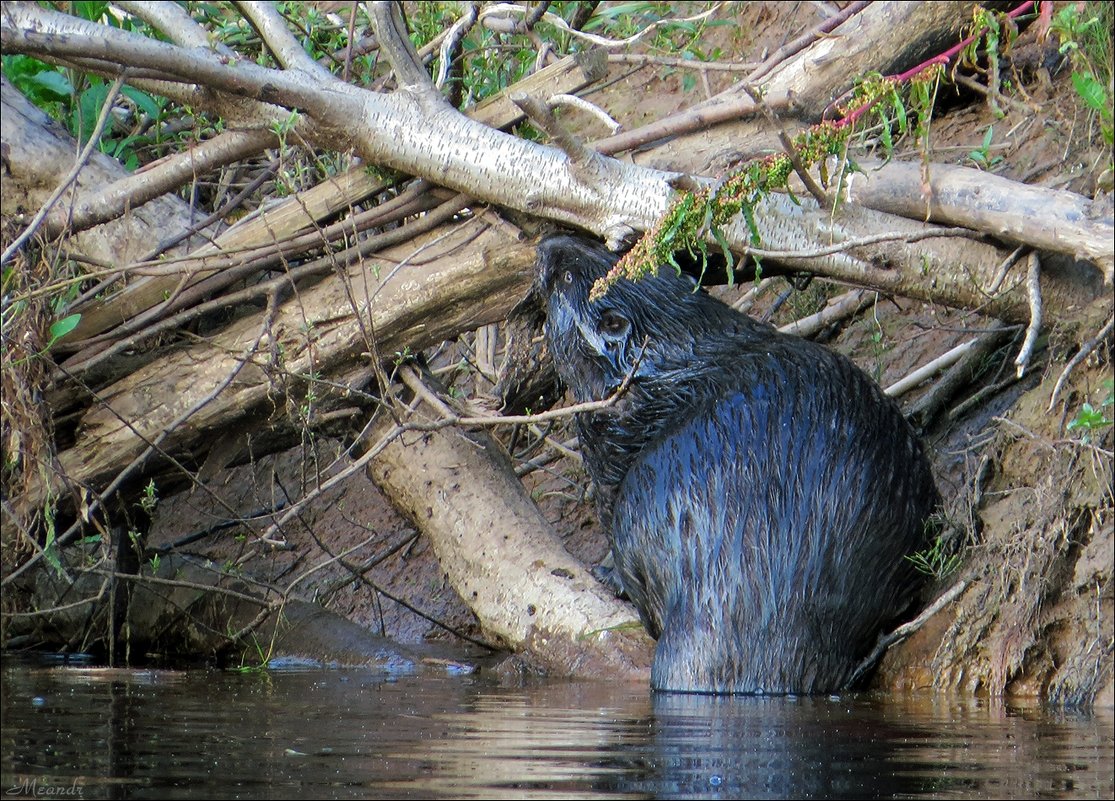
(351, 734)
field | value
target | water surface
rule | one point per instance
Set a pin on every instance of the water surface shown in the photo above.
(73, 731)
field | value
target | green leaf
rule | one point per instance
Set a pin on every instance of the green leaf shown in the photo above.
(144, 102)
(885, 137)
(53, 82)
(900, 113)
(62, 327)
(92, 11)
(1091, 92)
(87, 110)
(729, 259)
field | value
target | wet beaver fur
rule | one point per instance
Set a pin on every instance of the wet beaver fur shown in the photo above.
(760, 491)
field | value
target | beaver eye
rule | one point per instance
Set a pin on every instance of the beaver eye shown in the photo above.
(612, 324)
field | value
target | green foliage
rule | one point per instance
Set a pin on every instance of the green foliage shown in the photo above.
(982, 157)
(76, 99)
(1084, 32)
(77, 106)
(50, 546)
(937, 561)
(996, 33)
(62, 327)
(1090, 419)
(57, 330)
(705, 211)
(150, 498)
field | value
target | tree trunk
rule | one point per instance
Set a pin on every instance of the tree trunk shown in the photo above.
(504, 560)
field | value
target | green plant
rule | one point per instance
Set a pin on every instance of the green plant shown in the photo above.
(150, 498)
(263, 656)
(937, 560)
(1090, 419)
(982, 157)
(1084, 32)
(50, 544)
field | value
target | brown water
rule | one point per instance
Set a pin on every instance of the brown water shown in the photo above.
(82, 732)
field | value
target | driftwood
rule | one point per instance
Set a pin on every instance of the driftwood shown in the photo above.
(501, 556)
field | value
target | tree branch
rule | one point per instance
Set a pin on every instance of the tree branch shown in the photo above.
(172, 20)
(163, 177)
(90, 146)
(273, 30)
(394, 43)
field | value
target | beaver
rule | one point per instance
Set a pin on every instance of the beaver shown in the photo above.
(760, 491)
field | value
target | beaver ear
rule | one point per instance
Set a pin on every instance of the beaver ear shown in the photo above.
(613, 325)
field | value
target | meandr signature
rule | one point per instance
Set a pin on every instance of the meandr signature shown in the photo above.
(38, 788)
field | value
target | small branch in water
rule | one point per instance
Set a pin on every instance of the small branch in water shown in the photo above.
(905, 630)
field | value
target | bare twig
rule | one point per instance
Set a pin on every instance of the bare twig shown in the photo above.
(153, 445)
(395, 45)
(580, 103)
(958, 376)
(1004, 268)
(806, 39)
(976, 86)
(848, 244)
(682, 63)
(495, 14)
(63, 607)
(86, 360)
(837, 309)
(162, 177)
(947, 359)
(273, 30)
(696, 119)
(457, 32)
(1082, 354)
(1033, 287)
(178, 26)
(451, 418)
(541, 115)
(906, 629)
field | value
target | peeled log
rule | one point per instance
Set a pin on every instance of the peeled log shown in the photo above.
(38, 155)
(503, 559)
(884, 37)
(1047, 219)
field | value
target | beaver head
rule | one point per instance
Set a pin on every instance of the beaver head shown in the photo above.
(668, 338)
(651, 328)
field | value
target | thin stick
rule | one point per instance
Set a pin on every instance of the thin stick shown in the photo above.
(905, 630)
(1033, 287)
(1082, 354)
(83, 157)
(788, 145)
(946, 359)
